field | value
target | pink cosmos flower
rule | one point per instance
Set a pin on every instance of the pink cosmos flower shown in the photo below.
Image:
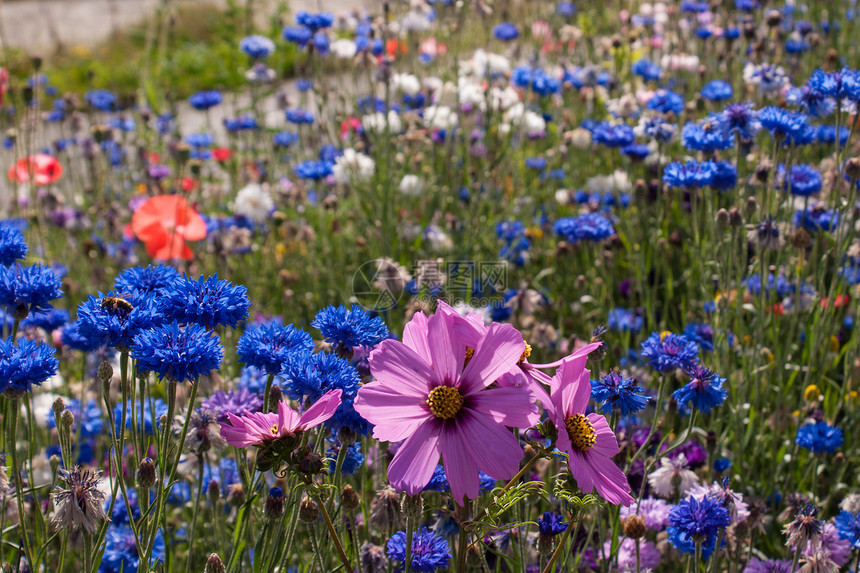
(257, 428)
(433, 396)
(586, 439)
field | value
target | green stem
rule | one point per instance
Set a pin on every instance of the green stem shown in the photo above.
(16, 470)
(196, 510)
(558, 549)
(334, 537)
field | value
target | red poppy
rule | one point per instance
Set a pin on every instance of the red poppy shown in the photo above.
(4, 83)
(222, 154)
(348, 125)
(395, 46)
(164, 223)
(45, 169)
(154, 157)
(840, 301)
(189, 184)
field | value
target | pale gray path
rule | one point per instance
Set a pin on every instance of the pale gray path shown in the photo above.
(38, 26)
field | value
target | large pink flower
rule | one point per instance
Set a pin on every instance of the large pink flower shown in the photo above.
(587, 439)
(257, 428)
(428, 395)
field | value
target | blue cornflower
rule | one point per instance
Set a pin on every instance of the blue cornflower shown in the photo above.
(796, 45)
(102, 100)
(624, 320)
(705, 389)
(701, 334)
(150, 279)
(254, 380)
(90, 418)
(268, 346)
(636, 151)
(429, 551)
(232, 402)
(439, 481)
(665, 101)
(48, 320)
(205, 99)
(614, 391)
(587, 227)
(658, 128)
(648, 70)
(724, 175)
(314, 170)
(121, 553)
(551, 524)
(31, 288)
(208, 302)
(13, 246)
(700, 519)
(299, 116)
(285, 138)
(352, 461)
(668, 351)
(307, 376)
(297, 35)
(110, 321)
(819, 437)
(848, 527)
(200, 139)
(682, 541)
(535, 79)
(739, 118)
(346, 329)
(816, 218)
(689, 175)
(176, 353)
(811, 101)
(610, 135)
(722, 464)
(565, 9)
(536, 163)
(24, 364)
(506, 31)
(827, 134)
(257, 47)
(785, 125)
(804, 180)
(314, 22)
(241, 123)
(71, 337)
(706, 136)
(717, 90)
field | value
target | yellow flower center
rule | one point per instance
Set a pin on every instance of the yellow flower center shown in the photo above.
(526, 353)
(445, 402)
(274, 430)
(581, 432)
(469, 353)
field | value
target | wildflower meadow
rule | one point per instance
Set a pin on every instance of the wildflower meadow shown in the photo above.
(490, 286)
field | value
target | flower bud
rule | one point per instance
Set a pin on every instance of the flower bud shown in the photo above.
(349, 500)
(308, 511)
(274, 507)
(634, 527)
(236, 495)
(213, 492)
(852, 168)
(214, 564)
(57, 407)
(67, 418)
(146, 473)
(105, 371)
(54, 461)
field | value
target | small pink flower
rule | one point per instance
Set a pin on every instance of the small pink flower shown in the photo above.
(431, 394)
(257, 428)
(588, 440)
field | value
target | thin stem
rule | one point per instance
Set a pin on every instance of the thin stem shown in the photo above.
(196, 511)
(559, 548)
(341, 553)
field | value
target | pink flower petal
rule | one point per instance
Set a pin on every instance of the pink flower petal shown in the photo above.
(394, 416)
(401, 369)
(497, 352)
(610, 481)
(448, 355)
(512, 406)
(322, 410)
(413, 464)
(415, 336)
(501, 461)
(460, 469)
(607, 443)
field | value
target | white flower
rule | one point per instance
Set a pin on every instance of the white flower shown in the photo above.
(439, 117)
(406, 83)
(437, 238)
(471, 93)
(671, 472)
(533, 124)
(343, 48)
(353, 166)
(411, 185)
(390, 276)
(375, 122)
(254, 202)
(503, 99)
(579, 138)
